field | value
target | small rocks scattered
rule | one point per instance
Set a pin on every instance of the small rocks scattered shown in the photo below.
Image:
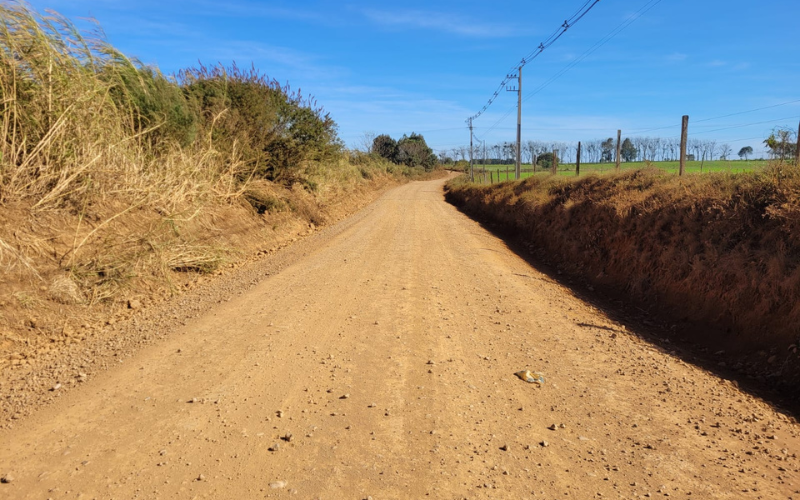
(275, 447)
(344, 396)
(277, 485)
(8, 478)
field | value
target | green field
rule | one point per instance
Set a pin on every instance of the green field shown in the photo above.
(500, 173)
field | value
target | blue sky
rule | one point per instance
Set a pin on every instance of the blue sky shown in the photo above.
(427, 66)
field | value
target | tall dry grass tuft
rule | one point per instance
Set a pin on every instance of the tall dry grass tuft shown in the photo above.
(71, 129)
(111, 171)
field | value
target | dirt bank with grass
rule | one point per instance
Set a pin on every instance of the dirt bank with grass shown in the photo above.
(720, 250)
(67, 276)
(120, 186)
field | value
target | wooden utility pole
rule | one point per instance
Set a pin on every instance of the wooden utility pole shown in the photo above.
(578, 161)
(519, 123)
(684, 140)
(471, 171)
(554, 169)
(619, 147)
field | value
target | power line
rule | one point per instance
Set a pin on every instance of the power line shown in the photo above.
(616, 31)
(746, 125)
(558, 33)
(591, 50)
(724, 116)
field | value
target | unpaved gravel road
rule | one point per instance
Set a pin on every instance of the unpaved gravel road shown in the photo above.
(381, 364)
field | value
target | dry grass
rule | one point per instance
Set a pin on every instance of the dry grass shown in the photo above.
(720, 248)
(89, 202)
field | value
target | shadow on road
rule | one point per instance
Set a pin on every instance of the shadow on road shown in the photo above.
(698, 344)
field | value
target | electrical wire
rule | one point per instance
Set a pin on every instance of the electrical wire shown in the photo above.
(558, 33)
(745, 125)
(613, 33)
(722, 116)
(591, 50)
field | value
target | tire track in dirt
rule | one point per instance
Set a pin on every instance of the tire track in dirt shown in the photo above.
(387, 351)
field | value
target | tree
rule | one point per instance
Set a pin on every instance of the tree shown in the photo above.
(628, 151)
(545, 160)
(608, 148)
(725, 151)
(745, 152)
(780, 143)
(385, 147)
(413, 151)
(366, 142)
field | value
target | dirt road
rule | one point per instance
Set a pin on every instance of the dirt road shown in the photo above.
(382, 364)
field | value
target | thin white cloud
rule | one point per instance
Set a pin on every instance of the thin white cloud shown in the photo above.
(439, 21)
(677, 57)
(274, 60)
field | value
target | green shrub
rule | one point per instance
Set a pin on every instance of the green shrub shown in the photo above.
(249, 117)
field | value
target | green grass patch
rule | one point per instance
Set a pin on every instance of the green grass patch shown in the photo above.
(502, 173)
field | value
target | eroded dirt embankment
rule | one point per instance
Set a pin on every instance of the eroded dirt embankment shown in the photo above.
(719, 251)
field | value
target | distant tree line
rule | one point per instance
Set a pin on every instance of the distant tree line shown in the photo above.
(781, 144)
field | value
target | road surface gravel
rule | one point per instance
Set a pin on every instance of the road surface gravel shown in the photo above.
(380, 362)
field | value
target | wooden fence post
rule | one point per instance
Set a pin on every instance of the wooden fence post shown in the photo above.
(491, 177)
(554, 170)
(797, 151)
(619, 147)
(507, 172)
(684, 140)
(578, 161)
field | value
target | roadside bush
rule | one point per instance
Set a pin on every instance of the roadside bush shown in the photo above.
(272, 130)
(161, 111)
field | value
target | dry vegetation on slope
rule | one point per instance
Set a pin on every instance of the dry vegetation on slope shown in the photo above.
(718, 249)
(118, 184)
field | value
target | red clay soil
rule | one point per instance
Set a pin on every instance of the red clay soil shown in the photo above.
(717, 251)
